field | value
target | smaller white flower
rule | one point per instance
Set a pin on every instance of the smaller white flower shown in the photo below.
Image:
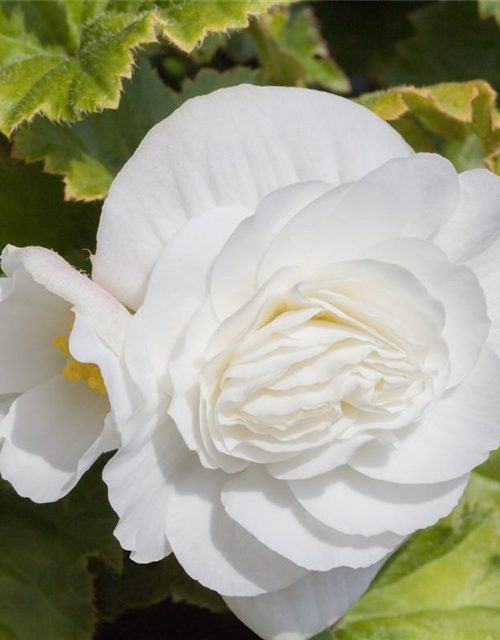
(60, 343)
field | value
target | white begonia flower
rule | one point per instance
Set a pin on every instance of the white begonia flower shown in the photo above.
(60, 341)
(311, 344)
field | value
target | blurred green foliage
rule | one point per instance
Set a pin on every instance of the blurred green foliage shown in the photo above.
(450, 42)
(34, 212)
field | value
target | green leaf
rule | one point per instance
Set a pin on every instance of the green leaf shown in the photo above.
(142, 585)
(458, 120)
(46, 590)
(186, 22)
(292, 51)
(34, 213)
(90, 153)
(451, 43)
(444, 582)
(63, 58)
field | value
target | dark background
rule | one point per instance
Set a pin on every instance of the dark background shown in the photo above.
(169, 621)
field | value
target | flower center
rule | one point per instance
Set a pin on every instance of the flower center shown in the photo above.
(76, 371)
(352, 354)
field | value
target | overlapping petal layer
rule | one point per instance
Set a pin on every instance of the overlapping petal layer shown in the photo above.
(207, 155)
(311, 347)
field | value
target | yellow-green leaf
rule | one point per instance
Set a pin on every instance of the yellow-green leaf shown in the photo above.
(489, 8)
(90, 153)
(186, 22)
(64, 58)
(459, 120)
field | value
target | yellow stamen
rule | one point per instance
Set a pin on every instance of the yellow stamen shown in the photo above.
(76, 371)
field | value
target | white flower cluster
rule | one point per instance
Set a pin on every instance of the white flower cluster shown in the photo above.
(310, 371)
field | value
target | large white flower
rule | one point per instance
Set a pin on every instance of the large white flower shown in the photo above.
(310, 343)
(61, 337)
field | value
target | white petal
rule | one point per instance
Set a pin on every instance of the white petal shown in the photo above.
(475, 224)
(321, 460)
(394, 289)
(307, 607)
(185, 406)
(139, 363)
(30, 319)
(487, 267)
(213, 548)
(139, 479)
(467, 322)
(107, 441)
(411, 196)
(454, 437)
(355, 504)
(6, 287)
(50, 438)
(179, 280)
(267, 508)
(108, 317)
(235, 274)
(472, 236)
(86, 346)
(232, 147)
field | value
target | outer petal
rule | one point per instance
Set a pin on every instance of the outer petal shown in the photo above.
(268, 509)
(53, 433)
(185, 406)
(30, 318)
(180, 280)
(232, 147)
(487, 267)
(140, 479)
(138, 361)
(475, 224)
(214, 549)
(457, 287)
(355, 504)
(314, 462)
(412, 197)
(235, 275)
(306, 607)
(472, 236)
(86, 346)
(454, 437)
(107, 316)
(6, 287)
